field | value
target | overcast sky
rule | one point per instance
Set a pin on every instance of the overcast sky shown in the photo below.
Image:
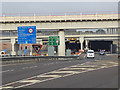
(58, 8)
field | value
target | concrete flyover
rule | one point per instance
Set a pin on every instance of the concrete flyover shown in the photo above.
(10, 23)
(61, 22)
(86, 36)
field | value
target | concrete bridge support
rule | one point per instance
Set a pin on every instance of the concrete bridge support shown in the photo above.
(86, 43)
(61, 47)
(39, 41)
(115, 43)
(13, 46)
(81, 39)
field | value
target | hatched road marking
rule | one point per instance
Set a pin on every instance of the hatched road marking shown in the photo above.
(63, 72)
(30, 81)
(50, 76)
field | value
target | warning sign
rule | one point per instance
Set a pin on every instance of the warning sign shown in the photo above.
(37, 48)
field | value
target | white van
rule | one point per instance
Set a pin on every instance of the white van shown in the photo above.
(90, 54)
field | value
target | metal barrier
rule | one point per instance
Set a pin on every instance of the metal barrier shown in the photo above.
(26, 59)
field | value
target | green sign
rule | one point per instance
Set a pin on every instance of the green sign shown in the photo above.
(54, 40)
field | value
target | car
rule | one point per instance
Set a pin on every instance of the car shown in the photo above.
(90, 54)
(102, 52)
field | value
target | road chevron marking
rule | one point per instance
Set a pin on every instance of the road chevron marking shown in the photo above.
(30, 81)
(85, 66)
(7, 87)
(64, 72)
(49, 76)
(34, 79)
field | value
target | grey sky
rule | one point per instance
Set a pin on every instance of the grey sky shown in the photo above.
(58, 8)
(60, 0)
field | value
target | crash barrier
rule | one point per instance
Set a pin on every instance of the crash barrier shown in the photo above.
(26, 59)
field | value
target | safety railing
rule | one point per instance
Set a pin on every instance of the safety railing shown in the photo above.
(72, 33)
(59, 17)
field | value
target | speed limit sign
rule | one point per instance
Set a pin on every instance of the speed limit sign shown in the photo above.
(30, 30)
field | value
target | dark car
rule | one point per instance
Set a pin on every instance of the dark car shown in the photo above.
(102, 52)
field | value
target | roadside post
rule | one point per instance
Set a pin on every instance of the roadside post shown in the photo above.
(50, 51)
(68, 52)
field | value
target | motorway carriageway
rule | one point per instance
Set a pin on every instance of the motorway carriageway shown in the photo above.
(26, 75)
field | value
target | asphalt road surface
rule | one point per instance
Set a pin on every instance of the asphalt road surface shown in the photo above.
(100, 72)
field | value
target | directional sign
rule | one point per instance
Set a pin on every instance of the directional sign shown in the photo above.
(27, 35)
(37, 48)
(54, 40)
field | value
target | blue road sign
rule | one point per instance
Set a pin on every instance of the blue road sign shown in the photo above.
(27, 35)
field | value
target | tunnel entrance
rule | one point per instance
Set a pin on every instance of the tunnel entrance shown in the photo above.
(74, 45)
(97, 45)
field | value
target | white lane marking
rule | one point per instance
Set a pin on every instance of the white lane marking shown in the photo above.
(64, 72)
(72, 68)
(33, 67)
(7, 87)
(91, 66)
(49, 76)
(30, 81)
(24, 67)
(113, 62)
(49, 79)
(29, 67)
(7, 71)
(72, 73)
(46, 80)
(30, 78)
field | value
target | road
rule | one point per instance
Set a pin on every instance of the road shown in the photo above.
(101, 72)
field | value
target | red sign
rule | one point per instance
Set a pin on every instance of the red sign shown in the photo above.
(30, 30)
(57, 41)
(37, 48)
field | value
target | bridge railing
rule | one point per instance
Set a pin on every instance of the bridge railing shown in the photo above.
(46, 34)
(58, 18)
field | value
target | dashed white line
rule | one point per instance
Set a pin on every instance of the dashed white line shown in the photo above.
(7, 71)
(29, 67)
